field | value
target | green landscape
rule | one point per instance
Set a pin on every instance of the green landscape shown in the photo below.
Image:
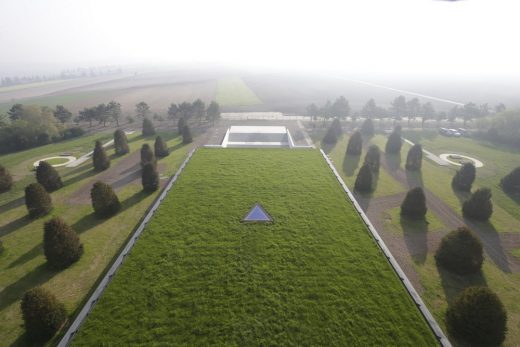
(233, 91)
(199, 276)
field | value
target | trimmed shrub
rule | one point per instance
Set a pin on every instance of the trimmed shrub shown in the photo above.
(161, 148)
(48, 177)
(479, 205)
(367, 128)
(364, 180)
(394, 143)
(120, 142)
(99, 157)
(510, 183)
(186, 135)
(336, 125)
(477, 317)
(61, 245)
(460, 252)
(330, 137)
(355, 144)
(180, 125)
(149, 178)
(37, 200)
(6, 181)
(373, 158)
(42, 314)
(414, 158)
(414, 204)
(104, 201)
(464, 177)
(147, 155)
(148, 128)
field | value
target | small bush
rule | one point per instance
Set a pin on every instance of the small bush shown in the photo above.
(367, 128)
(464, 177)
(394, 143)
(48, 177)
(71, 133)
(42, 314)
(148, 128)
(6, 181)
(120, 142)
(477, 317)
(460, 252)
(104, 201)
(355, 144)
(161, 148)
(150, 178)
(331, 137)
(510, 183)
(100, 158)
(37, 200)
(373, 159)
(414, 204)
(414, 158)
(61, 245)
(479, 205)
(364, 180)
(147, 155)
(186, 135)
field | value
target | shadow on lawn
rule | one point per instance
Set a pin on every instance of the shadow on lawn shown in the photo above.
(36, 277)
(15, 225)
(414, 178)
(393, 161)
(415, 238)
(80, 177)
(454, 284)
(12, 204)
(27, 256)
(350, 164)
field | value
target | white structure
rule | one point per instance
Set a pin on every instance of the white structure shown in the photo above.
(257, 136)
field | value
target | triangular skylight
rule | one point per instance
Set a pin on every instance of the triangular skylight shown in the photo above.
(257, 214)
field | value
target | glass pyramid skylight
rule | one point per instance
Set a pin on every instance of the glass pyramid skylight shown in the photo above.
(257, 214)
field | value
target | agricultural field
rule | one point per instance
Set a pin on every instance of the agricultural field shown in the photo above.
(233, 91)
(198, 276)
(23, 265)
(414, 243)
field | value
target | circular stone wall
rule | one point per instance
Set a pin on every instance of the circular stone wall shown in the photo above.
(66, 160)
(455, 159)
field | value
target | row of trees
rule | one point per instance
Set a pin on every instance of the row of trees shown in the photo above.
(401, 107)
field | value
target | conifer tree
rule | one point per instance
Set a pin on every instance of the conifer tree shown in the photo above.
(464, 178)
(336, 125)
(479, 205)
(355, 144)
(180, 125)
(48, 177)
(373, 158)
(6, 181)
(100, 158)
(414, 204)
(148, 128)
(394, 143)
(120, 142)
(414, 158)
(186, 135)
(61, 245)
(364, 180)
(104, 201)
(510, 183)
(330, 137)
(150, 178)
(367, 128)
(161, 148)
(460, 252)
(147, 155)
(37, 200)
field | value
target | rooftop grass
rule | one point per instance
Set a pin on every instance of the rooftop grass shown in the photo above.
(198, 276)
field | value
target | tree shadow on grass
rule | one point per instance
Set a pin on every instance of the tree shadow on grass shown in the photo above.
(414, 178)
(415, 238)
(363, 199)
(393, 161)
(133, 200)
(79, 169)
(15, 225)
(12, 204)
(130, 177)
(79, 177)
(16, 290)
(350, 164)
(27, 256)
(327, 147)
(454, 284)
(514, 197)
(87, 222)
(462, 196)
(176, 147)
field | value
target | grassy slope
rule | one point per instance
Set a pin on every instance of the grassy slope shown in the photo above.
(22, 266)
(234, 92)
(198, 276)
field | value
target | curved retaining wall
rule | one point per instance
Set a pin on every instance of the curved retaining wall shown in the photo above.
(437, 331)
(94, 297)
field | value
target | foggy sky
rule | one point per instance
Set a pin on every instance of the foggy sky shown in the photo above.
(471, 37)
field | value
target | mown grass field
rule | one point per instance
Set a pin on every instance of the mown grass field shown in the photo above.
(198, 276)
(23, 266)
(233, 91)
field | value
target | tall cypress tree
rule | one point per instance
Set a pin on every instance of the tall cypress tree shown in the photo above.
(147, 155)
(61, 245)
(120, 142)
(464, 178)
(414, 204)
(414, 158)
(330, 137)
(104, 201)
(367, 128)
(364, 179)
(355, 144)
(150, 178)
(6, 181)
(373, 158)
(37, 200)
(394, 142)
(186, 135)
(180, 125)
(148, 128)
(161, 149)
(48, 177)
(479, 205)
(511, 182)
(100, 158)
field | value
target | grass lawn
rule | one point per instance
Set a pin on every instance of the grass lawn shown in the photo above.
(56, 161)
(198, 276)
(29, 85)
(348, 166)
(430, 223)
(233, 91)
(22, 266)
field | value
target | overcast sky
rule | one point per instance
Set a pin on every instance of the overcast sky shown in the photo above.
(378, 36)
